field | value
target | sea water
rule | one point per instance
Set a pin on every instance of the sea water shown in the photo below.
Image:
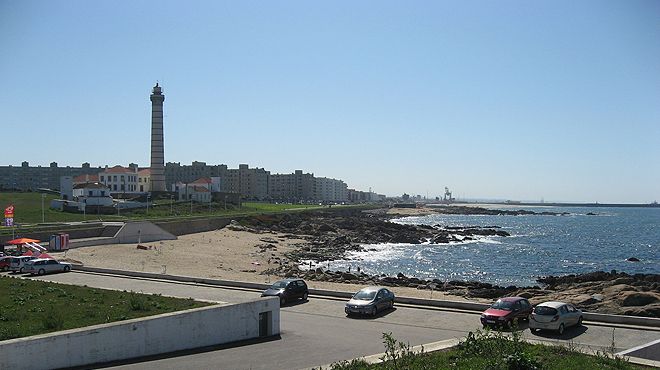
(538, 246)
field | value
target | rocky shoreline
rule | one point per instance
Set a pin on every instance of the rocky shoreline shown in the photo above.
(330, 235)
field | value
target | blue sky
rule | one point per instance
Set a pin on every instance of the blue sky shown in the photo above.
(553, 100)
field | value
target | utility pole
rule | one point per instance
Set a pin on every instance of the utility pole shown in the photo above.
(43, 213)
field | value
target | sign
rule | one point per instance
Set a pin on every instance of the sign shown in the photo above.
(9, 221)
(9, 211)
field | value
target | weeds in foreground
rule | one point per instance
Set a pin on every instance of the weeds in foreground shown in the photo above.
(488, 350)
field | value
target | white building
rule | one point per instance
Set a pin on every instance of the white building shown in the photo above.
(199, 194)
(92, 194)
(144, 180)
(330, 190)
(120, 179)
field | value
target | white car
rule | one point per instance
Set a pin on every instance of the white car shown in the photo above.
(555, 316)
(41, 266)
(17, 264)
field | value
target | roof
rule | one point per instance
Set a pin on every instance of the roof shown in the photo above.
(146, 171)
(86, 178)
(118, 169)
(553, 304)
(203, 180)
(201, 189)
(510, 299)
(90, 185)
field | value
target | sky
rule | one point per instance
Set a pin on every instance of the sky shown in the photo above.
(520, 100)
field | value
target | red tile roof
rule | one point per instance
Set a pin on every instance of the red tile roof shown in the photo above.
(203, 180)
(146, 171)
(85, 178)
(118, 169)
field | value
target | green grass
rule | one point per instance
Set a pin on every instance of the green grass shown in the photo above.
(28, 210)
(488, 351)
(31, 307)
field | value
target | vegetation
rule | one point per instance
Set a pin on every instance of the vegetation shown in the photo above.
(30, 307)
(488, 350)
(28, 211)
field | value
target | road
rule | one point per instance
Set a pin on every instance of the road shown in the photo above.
(317, 332)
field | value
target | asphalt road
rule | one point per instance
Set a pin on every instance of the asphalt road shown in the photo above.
(317, 332)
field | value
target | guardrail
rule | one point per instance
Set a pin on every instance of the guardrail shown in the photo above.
(460, 305)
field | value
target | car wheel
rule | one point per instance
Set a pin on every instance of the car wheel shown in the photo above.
(41, 272)
(579, 321)
(21, 270)
(561, 329)
(5, 268)
(67, 268)
(305, 296)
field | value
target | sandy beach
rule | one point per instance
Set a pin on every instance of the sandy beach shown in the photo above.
(221, 254)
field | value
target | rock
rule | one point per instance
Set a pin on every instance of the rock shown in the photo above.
(348, 276)
(639, 299)
(632, 259)
(527, 295)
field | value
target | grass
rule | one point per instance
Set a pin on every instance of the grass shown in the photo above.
(491, 351)
(31, 307)
(28, 211)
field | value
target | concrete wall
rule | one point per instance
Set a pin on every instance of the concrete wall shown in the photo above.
(183, 227)
(159, 334)
(143, 231)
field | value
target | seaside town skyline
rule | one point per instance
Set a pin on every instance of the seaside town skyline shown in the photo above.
(545, 105)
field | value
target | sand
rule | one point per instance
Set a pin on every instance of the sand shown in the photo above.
(221, 254)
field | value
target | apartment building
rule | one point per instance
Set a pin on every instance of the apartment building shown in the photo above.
(330, 190)
(120, 179)
(292, 187)
(26, 178)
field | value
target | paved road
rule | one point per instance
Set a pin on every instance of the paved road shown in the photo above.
(317, 332)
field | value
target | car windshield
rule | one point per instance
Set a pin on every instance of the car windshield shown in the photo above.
(502, 305)
(365, 295)
(545, 311)
(279, 285)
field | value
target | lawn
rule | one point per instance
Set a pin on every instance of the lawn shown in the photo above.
(28, 210)
(31, 307)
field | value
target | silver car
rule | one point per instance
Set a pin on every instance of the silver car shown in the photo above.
(41, 266)
(370, 301)
(555, 316)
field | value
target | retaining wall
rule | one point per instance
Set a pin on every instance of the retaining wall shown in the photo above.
(183, 227)
(154, 335)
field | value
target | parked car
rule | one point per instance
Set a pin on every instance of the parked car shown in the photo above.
(5, 263)
(554, 316)
(506, 311)
(370, 301)
(17, 264)
(287, 290)
(41, 266)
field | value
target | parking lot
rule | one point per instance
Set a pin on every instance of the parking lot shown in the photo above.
(318, 332)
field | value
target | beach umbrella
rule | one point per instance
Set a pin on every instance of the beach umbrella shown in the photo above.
(28, 253)
(23, 241)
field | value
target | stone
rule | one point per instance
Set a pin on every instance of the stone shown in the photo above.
(632, 259)
(639, 299)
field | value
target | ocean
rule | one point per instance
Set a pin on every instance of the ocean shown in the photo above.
(538, 246)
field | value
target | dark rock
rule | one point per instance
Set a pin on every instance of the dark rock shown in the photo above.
(632, 259)
(639, 299)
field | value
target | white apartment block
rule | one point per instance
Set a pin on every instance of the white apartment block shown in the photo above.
(330, 190)
(120, 179)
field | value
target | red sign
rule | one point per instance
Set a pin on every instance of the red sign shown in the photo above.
(9, 211)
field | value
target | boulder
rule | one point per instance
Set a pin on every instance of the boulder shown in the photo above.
(638, 299)
(632, 259)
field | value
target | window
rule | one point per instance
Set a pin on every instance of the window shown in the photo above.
(101, 178)
(91, 193)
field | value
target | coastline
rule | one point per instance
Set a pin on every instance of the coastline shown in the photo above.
(265, 248)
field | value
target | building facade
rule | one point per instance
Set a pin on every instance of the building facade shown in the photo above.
(120, 179)
(292, 187)
(26, 178)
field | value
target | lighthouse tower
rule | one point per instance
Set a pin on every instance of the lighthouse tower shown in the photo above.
(157, 146)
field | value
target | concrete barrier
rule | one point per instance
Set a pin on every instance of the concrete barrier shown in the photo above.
(458, 305)
(199, 327)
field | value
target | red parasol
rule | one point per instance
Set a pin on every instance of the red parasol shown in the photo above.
(23, 241)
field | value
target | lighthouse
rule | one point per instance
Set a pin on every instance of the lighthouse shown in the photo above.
(157, 145)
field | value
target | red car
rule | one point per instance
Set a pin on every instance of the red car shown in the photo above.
(506, 311)
(4, 263)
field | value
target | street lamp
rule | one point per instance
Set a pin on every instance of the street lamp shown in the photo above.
(171, 205)
(147, 203)
(43, 213)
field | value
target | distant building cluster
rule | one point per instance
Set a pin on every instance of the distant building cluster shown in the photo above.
(197, 181)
